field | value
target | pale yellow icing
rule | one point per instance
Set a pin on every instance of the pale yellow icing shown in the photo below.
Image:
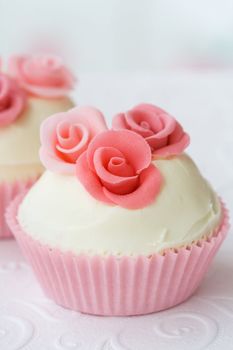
(58, 211)
(19, 141)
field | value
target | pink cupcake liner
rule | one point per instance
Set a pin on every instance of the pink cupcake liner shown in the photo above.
(124, 285)
(8, 191)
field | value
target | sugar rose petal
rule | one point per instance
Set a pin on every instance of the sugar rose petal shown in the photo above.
(108, 161)
(116, 169)
(65, 136)
(146, 192)
(162, 132)
(42, 75)
(134, 148)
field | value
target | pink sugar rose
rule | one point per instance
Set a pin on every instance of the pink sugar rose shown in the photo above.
(65, 136)
(12, 100)
(117, 169)
(162, 132)
(42, 75)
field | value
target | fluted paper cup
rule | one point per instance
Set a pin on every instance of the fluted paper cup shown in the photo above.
(112, 285)
(8, 191)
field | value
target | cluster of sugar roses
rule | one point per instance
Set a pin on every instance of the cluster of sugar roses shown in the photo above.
(38, 75)
(115, 166)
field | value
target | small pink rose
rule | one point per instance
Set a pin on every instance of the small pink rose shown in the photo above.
(42, 75)
(117, 169)
(162, 132)
(12, 100)
(65, 136)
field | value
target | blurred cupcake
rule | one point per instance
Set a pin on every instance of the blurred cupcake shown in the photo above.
(34, 88)
(122, 222)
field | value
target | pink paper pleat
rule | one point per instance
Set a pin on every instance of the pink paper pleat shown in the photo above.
(124, 285)
(8, 191)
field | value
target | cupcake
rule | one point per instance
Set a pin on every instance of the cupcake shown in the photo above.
(34, 88)
(121, 222)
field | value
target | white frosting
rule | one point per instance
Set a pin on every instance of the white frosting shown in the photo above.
(19, 141)
(59, 212)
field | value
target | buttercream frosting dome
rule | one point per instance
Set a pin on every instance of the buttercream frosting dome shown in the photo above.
(58, 211)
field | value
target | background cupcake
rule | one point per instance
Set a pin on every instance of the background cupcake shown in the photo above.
(33, 88)
(122, 222)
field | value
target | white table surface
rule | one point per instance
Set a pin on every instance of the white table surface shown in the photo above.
(203, 102)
